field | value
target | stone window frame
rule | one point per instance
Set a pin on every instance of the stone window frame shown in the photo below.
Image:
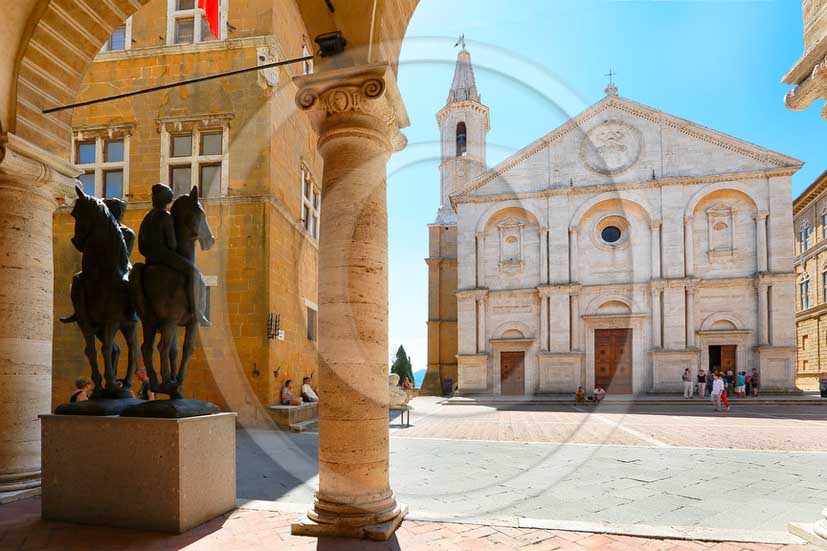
(824, 283)
(311, 202)
(461, 139)
(311, 313)
(199, 20)
(618, 220)
(824, 221)
(804, 235)
(720, 213)
(196, 126)
(127, 39)
(804, 291)
(307, 66)
(100, 134)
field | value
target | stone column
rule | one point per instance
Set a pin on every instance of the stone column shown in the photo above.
(761, 240)
(357, 112)
(544, 256)
(479, 259)
(688, 247)
(655, 249)
(763, 313)
(572, 254)
(543, 321)
(32, 185)
(656, 315)
(690, 316)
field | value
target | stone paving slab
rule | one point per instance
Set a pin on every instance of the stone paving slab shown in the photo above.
(248, 529)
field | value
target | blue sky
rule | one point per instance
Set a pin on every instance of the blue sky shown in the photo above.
(717, 62)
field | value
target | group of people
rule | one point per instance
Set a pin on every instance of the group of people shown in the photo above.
(719, 385)
(597, 396)
(84, 387)
(308, 393)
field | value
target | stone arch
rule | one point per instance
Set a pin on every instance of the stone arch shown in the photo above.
(510, 326)
(705, 191)
(718, 318)
(631, 199)
(613, 302)
(495, 209)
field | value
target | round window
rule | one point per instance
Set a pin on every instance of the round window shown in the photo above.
(610, 234)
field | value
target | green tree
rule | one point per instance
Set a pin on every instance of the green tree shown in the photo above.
(402, 366)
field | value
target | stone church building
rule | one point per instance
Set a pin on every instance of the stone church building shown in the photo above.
(619, 249)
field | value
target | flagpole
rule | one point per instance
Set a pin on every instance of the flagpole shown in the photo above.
(176, 84)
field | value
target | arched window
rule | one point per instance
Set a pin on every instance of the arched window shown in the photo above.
(804, 234)
(462, 141)
(804, 289)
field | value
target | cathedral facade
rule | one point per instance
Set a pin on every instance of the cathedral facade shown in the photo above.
(618, 250)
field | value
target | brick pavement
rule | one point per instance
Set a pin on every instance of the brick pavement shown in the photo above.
(21, 529)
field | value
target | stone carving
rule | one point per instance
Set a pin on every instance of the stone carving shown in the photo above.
(99, 292)
(611, 147)
(168, 290)
(398, 397)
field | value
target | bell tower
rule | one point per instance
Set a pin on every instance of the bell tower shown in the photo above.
(463, 126)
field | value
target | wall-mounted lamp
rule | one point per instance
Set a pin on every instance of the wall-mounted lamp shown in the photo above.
(331, 44)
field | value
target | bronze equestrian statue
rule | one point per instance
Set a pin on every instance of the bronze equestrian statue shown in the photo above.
(168, 291)
(99, 292)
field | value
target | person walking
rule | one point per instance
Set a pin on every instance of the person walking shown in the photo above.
(687, 384)
(740, 385)
(701, 383)
(755, 382)
(717, 391)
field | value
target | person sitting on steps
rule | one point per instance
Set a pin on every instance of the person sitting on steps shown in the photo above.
(156, 241)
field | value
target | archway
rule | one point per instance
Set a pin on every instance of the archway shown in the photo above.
(34, 174)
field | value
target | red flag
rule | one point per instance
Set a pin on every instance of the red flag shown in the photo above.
(211, 9)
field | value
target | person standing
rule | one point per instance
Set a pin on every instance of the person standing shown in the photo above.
(701, 383)
(755, 382)
(687, 384)
(717, 391)
(740, 384)
(83, 389)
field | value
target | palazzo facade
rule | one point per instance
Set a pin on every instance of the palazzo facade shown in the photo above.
(619, 249)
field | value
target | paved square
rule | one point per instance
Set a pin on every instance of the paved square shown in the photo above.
(682, 467)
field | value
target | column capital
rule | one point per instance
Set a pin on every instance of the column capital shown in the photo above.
(761, 215)
(657, 285)
(690, 289)
(573, 230)
(35, 169)
(656, 223)
(480, 234)
(476, 294)
(363, 97)
(688, 219)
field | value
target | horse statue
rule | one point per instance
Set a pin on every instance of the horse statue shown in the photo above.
(161, 297)
(100, 293)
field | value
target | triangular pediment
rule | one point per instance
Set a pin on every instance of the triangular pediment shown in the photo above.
(619, 141)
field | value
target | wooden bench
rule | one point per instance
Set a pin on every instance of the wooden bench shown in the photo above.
(403, 409)
(294, 417)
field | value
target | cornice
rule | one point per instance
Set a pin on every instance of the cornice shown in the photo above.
(461, 198)
(811, 88)
(812, 193)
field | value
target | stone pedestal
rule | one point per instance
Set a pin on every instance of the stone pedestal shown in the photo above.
(32, 182)
(357, 112)
(168, 475)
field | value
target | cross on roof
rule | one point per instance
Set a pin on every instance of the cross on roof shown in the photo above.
(461, 41)
(610, 74)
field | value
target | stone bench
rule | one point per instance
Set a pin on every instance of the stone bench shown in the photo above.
(288, 417)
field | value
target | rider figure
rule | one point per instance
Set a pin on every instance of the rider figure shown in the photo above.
(156, 241)
(117, 208)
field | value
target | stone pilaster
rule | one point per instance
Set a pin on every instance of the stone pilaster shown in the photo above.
(761, 240)
(358, 114)
(690, 316)
(657, 291)
(32, 184)
(688, 247)
(479, 258)
(572, 254)
(544, 279)
(656, 263)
